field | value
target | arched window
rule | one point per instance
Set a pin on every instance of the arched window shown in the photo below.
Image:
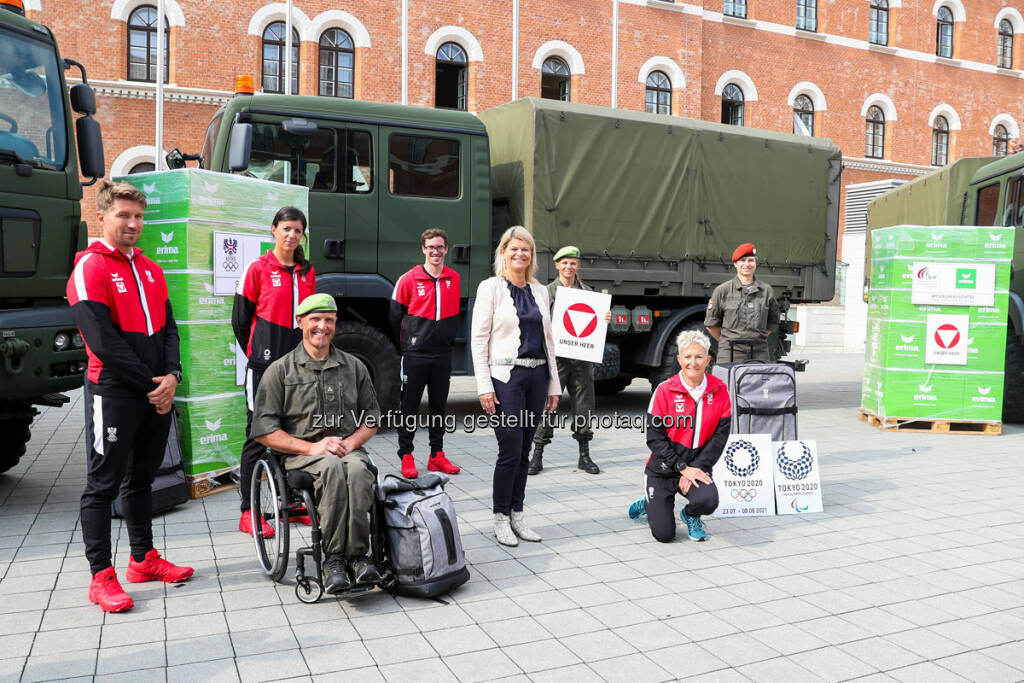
(555, 80)
(1005, 44)
(879, 22)
(807, 15)
(1000, 141)
(940, 141)
(142, 45)
(735, 8)
(944, 33)
(337, 59)
(874, 129)
(732, 105)
(451, 76)
(659, 93)
(142, 167)
(273, 59)
(803, 115)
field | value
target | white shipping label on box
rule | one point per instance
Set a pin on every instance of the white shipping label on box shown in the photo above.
(744, 476)
(797, 477)
(953, 284)
(231, 252)
(578, 323)
(946, 339)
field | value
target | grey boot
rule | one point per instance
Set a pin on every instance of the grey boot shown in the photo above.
(537, 460)
(585, 463)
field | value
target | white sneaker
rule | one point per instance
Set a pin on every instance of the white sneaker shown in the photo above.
(520, 529)
(503, 531)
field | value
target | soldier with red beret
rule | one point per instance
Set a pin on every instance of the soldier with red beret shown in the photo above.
(743, 311)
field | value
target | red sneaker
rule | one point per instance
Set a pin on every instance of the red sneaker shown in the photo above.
(155, 568)
(106, 591)
(245, 524)
(409, 467)
(439, 463)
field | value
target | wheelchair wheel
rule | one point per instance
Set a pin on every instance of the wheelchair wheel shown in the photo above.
(309, 590)
(270, 499)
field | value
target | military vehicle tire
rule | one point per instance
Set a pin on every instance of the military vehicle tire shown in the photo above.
(1013, 387)
(610, 387)
(669, 364)
(378, 354)
(18, 435)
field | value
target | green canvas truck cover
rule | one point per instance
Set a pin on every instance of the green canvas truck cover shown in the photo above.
(634, 184)
(933, 199)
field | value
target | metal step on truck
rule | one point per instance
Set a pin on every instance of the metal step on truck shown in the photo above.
(655, 203)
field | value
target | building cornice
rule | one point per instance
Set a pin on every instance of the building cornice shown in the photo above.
(885, 166)
(135, 90)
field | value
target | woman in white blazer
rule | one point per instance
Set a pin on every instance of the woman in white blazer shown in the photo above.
(516, 374)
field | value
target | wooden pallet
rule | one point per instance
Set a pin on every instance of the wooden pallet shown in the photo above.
(209, 483)
(928, 425)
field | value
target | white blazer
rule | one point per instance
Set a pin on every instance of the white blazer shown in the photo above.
(495, 334)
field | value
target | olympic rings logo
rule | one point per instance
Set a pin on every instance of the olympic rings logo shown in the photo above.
(795, 469)
(744, 446)
(744, 495)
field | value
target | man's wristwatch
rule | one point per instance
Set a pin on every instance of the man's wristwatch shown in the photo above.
(176, 374)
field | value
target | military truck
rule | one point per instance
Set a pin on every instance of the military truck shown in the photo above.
(981, 191)
(41, 228)
(655, 203)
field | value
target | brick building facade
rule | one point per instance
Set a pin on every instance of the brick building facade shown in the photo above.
(921, 65)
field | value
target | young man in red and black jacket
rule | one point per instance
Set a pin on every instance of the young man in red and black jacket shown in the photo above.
(263, 319)
(688, 424)
(119, 300)
(424, 316)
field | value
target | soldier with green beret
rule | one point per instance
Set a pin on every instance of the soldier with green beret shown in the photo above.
(743, 311)
(316, 408)
(576, 375)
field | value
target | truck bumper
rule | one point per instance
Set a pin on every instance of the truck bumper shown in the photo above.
(30, 365)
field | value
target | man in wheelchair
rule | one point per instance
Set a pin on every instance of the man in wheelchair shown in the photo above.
(313, 410)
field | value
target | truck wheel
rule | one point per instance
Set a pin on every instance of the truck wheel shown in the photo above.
(1013, 387)
(378, 354)
(16, 429)
(610, 387)
(669, 364)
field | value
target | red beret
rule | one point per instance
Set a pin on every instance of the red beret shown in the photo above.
(743, 250)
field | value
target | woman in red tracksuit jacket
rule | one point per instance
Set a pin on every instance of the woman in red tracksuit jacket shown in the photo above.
(263, 319)
(688, 424)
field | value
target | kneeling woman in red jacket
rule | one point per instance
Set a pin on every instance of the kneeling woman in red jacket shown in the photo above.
(687, 427)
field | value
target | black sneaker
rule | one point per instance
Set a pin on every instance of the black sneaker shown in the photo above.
(336, 572)
(364, 572)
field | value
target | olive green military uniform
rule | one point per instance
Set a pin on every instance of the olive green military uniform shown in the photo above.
(577, 376)
(743, 312)
(311, 400)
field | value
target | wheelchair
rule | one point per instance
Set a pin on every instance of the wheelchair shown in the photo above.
(280, 496)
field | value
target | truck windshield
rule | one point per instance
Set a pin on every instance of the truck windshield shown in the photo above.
(32, 124)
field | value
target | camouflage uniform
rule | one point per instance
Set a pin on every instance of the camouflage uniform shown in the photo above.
(743, 312)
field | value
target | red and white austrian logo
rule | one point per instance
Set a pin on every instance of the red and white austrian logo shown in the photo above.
(580, 320)
(947, 336)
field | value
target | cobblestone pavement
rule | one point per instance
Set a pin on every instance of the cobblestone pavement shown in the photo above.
(913, 572)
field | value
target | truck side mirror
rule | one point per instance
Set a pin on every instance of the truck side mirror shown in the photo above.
(90, 148)
(240, 147)
(83, 100)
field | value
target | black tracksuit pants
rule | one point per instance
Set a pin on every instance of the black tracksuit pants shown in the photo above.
(434, 374)
(661, 499)
(127, 439)
(252, 450)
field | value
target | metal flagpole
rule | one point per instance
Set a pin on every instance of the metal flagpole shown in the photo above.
(159, 142)
(288, 51)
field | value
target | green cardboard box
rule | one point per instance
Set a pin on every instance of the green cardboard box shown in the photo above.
(192, 297)
(921, 393)
(188, 244)
(983, 396)
(211, 431)
(207, 359)
(191, 193)
(902, 345)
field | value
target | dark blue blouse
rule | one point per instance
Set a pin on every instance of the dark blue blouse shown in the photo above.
(531, 324)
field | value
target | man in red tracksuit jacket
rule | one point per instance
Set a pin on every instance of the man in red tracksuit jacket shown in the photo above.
(424, 317)
(119, 300)
(688, 423)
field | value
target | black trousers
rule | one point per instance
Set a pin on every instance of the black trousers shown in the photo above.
(520, 399)
(661, 498)
(252, 450)
(434, 374)
(126, 441)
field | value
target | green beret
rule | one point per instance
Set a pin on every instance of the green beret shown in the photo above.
(566, 252)
(317, 303)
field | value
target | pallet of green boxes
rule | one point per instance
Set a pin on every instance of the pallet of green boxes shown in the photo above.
(936, 336)
(202, 228)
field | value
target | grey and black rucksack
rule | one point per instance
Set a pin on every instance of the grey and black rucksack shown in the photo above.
(423, 536)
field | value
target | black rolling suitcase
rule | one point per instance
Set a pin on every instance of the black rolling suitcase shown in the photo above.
(763, 397)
